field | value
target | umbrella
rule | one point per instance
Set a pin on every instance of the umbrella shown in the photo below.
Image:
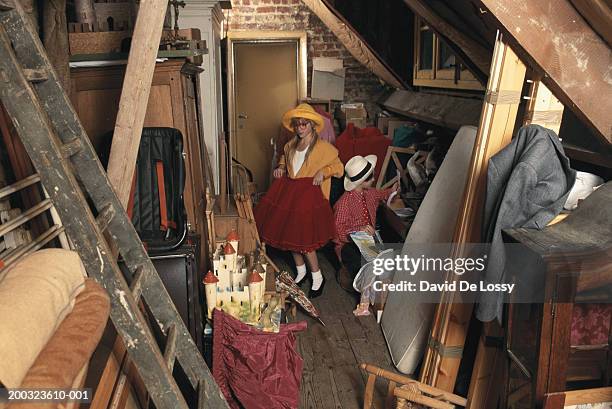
(284, 282)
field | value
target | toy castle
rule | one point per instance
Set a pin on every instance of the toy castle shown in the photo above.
(229, 285)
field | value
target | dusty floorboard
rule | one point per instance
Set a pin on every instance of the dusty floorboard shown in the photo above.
(331, 378)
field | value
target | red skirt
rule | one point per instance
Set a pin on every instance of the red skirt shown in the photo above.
(294, 215)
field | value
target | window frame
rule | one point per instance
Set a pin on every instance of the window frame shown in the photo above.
(437, 77)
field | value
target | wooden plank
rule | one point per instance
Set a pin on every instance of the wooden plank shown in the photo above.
(331, 377)
(134, 96)
(599, 15)
(584, 396)
(573, 60)
(476, 56)
(484, 384)
(350, 39)
(309, 395)
(583, 155)
(484, 387)
(494, 132)
(543, 108)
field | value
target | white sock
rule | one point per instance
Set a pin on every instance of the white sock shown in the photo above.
(301, 272)
(317, 279)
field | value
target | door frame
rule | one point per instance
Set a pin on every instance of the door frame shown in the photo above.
(260, 37)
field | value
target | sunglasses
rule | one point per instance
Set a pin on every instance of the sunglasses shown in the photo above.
(299, 123)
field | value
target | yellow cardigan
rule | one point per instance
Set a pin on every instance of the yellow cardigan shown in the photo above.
(323, 157)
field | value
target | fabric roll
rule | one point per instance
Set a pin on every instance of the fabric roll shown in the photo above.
(256, 369)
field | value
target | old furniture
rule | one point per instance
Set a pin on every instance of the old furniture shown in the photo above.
(172, 103)
(547, 352)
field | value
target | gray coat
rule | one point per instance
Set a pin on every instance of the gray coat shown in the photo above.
(527, 185)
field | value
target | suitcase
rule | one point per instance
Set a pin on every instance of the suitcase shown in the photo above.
(179, 272)
(156, 205)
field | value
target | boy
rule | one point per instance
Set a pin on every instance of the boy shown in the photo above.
(356, 211)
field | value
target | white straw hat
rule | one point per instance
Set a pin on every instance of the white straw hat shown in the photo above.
(357, 170)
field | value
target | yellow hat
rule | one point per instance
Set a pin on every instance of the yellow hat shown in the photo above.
(303, 111)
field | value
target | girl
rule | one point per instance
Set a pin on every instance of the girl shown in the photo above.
(295, 214)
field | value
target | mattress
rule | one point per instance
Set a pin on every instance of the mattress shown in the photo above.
(405, 321)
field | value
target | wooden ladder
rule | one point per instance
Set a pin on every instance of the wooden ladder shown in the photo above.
(72, 174)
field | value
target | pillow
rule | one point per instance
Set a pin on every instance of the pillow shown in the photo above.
(62, 363)
(36, 294)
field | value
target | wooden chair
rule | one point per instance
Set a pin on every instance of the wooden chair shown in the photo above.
(406, 391)
(392, 152)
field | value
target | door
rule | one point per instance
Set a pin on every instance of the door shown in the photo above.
(265, 87)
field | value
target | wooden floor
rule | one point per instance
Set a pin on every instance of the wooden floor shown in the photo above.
(331, 377)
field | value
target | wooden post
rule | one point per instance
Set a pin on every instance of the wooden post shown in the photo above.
(545, 110)
(223, 174)
(497, 122)
(543, 107)
(485, 382)
(135, 96)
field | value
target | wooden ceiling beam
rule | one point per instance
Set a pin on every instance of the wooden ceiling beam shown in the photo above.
(574, 62)
(358, 48)
(473, 54)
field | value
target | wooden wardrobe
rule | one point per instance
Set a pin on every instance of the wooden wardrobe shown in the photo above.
(173, 102)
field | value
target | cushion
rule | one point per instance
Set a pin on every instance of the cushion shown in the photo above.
(36, 294)
(70, 348)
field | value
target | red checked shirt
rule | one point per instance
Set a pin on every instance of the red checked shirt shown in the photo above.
(354, 210)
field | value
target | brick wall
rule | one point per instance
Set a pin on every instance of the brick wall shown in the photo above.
(288, 15)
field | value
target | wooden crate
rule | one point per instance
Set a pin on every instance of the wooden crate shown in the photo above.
(103, 42)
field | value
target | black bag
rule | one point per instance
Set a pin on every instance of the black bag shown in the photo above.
(156, 205)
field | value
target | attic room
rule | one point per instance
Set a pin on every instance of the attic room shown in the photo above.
(305, 204)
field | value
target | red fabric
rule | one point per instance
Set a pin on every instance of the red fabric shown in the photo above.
(354, 210)
(161, 187)
(256, 369)
(294, 215)
(319, 109)
(367, 141)
(591, 324)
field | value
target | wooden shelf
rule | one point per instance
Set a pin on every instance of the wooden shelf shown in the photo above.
(584, 155)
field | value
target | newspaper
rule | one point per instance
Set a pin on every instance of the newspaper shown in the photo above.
(366, 244)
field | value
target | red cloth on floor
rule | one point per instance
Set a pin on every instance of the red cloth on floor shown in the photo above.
(294, 215)
(367, 141)
(256, 369)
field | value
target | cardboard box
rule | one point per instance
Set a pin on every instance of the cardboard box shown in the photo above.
(354, 113)
(383, 123)
(327, 79)
(102, 42)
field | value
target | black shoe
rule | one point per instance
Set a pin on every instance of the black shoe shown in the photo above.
(303, 280)
(315, 293)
